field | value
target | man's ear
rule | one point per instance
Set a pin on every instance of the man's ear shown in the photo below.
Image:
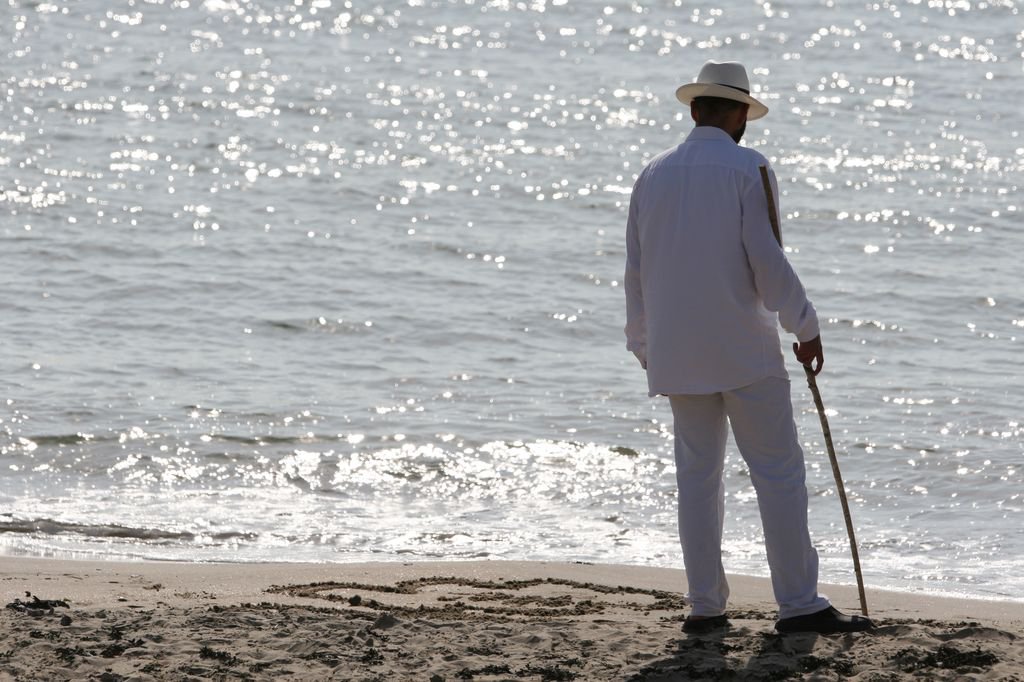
(693, 111)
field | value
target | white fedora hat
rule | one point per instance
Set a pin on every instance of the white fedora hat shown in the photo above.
(727, 80)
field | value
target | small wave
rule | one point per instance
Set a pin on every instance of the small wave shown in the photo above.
(272, 440)
(67, 439)
(52, 527)
(322, 325)
(290, 326)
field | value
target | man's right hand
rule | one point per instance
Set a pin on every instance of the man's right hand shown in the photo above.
(809, 351)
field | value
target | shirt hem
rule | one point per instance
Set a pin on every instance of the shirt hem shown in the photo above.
(710, 389)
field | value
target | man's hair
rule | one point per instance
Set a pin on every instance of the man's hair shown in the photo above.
(710, 109)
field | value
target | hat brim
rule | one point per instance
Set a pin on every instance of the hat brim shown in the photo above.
(687, 93)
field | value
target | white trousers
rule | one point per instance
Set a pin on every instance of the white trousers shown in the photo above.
(761, 416)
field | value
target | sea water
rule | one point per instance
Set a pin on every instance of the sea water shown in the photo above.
(333, 280)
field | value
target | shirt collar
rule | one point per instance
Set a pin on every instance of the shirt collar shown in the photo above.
(709, 133)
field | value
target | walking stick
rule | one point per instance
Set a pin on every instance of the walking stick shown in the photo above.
(813, 384)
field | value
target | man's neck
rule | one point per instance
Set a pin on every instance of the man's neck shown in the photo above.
(734, 135)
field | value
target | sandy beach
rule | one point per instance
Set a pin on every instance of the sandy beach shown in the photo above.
(433, 621)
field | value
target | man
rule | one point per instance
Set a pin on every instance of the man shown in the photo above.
(705, 282)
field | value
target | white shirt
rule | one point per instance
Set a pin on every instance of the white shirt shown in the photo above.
(705, 279)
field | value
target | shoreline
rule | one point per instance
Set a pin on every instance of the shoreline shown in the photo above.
(452, 620)
(846, 589)
(249, 578)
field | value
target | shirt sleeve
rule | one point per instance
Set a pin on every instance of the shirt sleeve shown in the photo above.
(777, 283)
(636, 319)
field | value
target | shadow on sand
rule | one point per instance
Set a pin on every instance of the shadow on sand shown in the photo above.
(739, 652)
